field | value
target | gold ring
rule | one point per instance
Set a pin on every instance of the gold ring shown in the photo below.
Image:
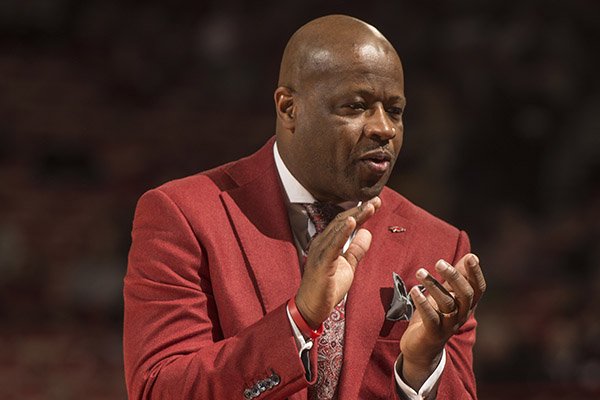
(446, 314)
(451, 314)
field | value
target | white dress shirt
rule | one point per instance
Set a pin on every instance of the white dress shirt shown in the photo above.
(296, 193)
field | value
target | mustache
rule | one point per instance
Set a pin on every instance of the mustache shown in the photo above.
(376, 151)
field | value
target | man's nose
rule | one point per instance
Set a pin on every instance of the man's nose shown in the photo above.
(379, 125)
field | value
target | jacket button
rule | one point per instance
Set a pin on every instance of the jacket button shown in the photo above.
(275, 379)
(269, 383)
(263, 385)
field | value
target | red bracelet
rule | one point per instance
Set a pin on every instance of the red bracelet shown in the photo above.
(301, 322)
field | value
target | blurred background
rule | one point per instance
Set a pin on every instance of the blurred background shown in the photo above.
(101, 100)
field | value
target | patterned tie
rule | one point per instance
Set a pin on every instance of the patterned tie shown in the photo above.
(331, 342)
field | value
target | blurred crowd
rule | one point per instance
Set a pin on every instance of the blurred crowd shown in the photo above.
(101, 100)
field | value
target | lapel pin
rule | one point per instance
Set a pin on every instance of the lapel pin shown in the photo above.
(396, 229)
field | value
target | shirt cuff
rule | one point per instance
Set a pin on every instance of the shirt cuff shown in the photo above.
(428, 385)
(301, 342)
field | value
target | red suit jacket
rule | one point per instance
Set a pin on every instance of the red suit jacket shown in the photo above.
(212, 265)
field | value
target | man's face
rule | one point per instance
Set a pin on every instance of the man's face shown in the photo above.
(348, 128)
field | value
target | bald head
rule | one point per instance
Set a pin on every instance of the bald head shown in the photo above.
(327, 44)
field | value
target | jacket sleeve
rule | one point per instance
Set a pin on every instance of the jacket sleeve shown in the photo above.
(172, 342)
(457, 380)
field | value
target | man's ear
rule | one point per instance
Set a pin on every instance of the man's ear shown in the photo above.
(285, 107)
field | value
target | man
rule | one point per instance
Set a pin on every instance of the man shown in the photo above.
(238, 285)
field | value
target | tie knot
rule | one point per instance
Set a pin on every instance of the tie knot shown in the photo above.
(321, 214)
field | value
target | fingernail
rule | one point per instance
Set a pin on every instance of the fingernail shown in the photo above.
(416, 293)
(422, 273)
(441, 266)
(473, 260)
(375, 200)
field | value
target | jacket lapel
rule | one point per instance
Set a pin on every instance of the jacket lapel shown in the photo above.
(259, 218)
(365, 309)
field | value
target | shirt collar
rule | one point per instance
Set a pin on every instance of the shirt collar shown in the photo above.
(296, 193)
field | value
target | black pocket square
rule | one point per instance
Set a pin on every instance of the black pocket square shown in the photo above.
(402, 306)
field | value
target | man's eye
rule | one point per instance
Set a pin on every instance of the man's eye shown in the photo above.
(357, 106)
(395, 111)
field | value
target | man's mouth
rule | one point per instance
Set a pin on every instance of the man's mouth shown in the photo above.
(377, 161)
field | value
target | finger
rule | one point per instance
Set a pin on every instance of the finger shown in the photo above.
(329, 247)
(475, 277)
(358, 247)
(429, 316)
(327, 244)
(469, 266)
(463, 292)
(362, 212)
(444, 300)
